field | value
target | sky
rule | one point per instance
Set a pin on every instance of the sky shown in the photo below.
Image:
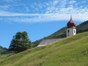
(39, 18)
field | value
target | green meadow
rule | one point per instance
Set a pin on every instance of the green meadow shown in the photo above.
(71, 51)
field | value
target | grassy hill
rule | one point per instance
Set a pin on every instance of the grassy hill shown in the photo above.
(83, 27)
(71, 51)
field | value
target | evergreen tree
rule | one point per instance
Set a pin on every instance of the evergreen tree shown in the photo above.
(20, 42)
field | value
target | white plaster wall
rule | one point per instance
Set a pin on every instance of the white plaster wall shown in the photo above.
(72, 31)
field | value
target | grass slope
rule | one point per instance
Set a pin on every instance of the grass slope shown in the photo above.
(83, 27)
(71, 51)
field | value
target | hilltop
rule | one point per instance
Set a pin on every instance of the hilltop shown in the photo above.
(71, 51)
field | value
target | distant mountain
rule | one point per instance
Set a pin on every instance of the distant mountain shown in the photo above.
(83, 27)
(2, 49)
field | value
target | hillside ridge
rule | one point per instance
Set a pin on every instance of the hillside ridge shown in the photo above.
(71, 51)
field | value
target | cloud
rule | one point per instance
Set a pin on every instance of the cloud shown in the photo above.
(43, 18)
(55, 10)
(33, 18)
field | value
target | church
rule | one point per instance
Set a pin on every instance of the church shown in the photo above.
(70, 31)
(71, 28)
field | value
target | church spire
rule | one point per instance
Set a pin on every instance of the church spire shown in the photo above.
(70, 17)
(71, 27)
(71, 23)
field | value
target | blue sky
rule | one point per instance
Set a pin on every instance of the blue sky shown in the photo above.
(39, 18)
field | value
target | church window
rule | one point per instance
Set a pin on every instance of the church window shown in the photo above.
(68, 31)
(74, 31)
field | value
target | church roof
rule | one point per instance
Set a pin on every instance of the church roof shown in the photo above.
(71, 23)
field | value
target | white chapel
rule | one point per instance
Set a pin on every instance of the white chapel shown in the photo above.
(71, 28)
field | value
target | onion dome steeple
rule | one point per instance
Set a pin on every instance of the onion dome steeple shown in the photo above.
(71, 23)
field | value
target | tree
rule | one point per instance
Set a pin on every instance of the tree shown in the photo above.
(20, 42)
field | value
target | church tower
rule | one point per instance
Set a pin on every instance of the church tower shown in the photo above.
(71, 28)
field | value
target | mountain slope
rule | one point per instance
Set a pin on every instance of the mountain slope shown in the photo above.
(83, 27)
(2, 49)
(71, 51)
